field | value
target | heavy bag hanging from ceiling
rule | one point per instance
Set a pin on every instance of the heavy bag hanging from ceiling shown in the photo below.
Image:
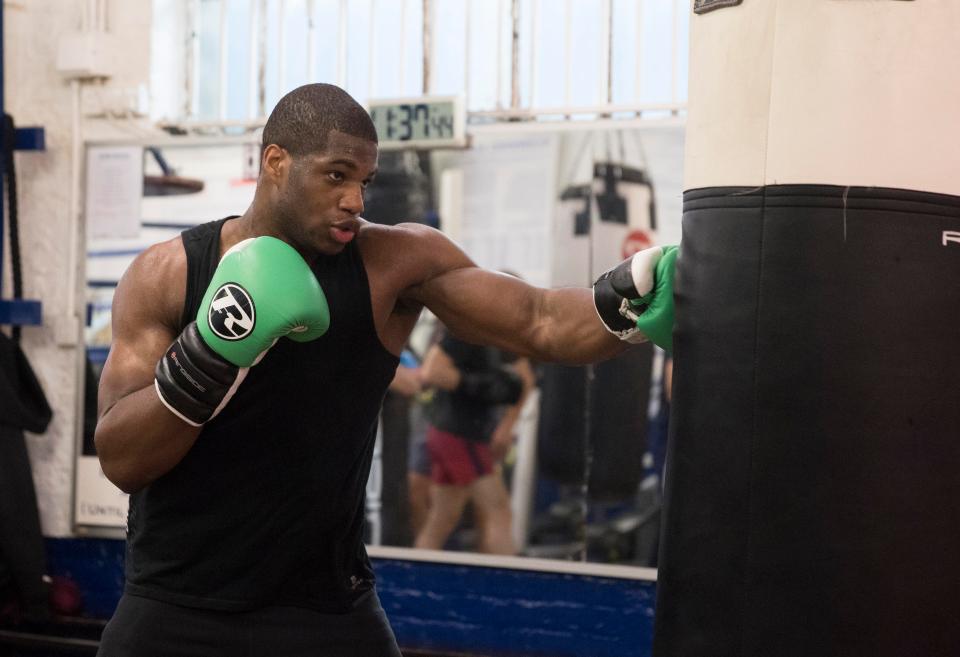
(813, 475)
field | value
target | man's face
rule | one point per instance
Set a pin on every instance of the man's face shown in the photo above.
(321, 198)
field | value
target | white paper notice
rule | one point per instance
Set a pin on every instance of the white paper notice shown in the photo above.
(98, 502)
(114, 190)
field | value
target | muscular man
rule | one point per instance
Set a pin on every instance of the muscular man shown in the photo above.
(239, 402)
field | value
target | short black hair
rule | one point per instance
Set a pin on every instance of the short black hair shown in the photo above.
(304, 117)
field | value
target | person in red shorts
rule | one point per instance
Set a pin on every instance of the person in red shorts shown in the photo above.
(477, 402)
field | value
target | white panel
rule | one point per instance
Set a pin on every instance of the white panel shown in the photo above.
(507, 203)
(451, 202)
(729, 95)
(167, 63)
(98, 502)
(867, 93)
(524, 476)
(570, 253)
(829, 92)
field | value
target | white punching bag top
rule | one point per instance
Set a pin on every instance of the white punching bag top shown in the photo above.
(838, 92)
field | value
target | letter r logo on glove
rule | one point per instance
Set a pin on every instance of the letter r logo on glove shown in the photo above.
(231, 315)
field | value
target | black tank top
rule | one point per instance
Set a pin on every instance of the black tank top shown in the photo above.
(267, 507)
(459, 414)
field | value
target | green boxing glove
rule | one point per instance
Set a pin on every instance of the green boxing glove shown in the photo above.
(635, 299)
(262, 290)
(656, 320)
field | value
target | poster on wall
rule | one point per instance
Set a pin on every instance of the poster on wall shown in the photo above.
(114, 190)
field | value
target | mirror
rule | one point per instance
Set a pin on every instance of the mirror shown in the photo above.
(583, 474)
(580, 477)
(137, 195)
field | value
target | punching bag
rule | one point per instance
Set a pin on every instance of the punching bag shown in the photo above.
(606, 413)
(23, 407)
(403, 189)
(813, 474)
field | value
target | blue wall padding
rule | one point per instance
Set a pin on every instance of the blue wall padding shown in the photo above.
(446, 607)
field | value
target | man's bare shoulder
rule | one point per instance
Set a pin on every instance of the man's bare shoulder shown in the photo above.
(155, 282)
(401, 259)
(419, 250)
(408, 233)
(161, 263)
(168, 256)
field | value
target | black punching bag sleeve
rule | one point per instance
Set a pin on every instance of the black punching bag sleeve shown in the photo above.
(813, 475)
(561, 430)
(617, 429)
(614, 429)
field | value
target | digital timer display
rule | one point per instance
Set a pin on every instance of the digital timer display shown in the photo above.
(418, 122)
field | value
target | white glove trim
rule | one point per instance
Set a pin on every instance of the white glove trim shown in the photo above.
(642, 267)
(241, 375)
(156, 386)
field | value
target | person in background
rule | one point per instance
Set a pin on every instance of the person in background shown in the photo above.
(477, 402)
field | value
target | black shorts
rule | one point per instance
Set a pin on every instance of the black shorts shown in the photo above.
(142, 627)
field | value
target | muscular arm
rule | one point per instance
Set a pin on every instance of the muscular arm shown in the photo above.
(138, 439)
(484, 307)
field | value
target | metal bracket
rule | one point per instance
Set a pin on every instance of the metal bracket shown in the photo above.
(21, 312)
